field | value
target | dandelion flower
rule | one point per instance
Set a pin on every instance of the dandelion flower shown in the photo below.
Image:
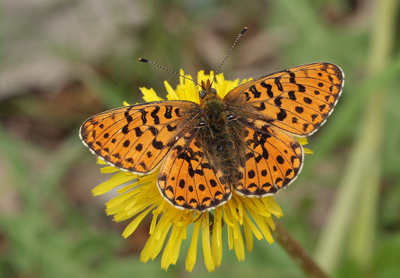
(139, 195)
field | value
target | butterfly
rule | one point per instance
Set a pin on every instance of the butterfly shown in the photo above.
(242, 142)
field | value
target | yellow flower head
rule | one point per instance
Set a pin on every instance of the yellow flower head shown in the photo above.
(140, 196)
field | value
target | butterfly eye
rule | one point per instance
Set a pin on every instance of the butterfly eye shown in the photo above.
(202, 94)
(213, 90)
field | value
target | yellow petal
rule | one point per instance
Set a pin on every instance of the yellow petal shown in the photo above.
(238, 242)
(302, 140)
(171, 92)
(155, 242)
(205, 227)
(308, 151)
(273, 206)
(253, 227)
(216, 238)
(135, 223)
(101, 162)
(109, 169)
(116, 180)
(248, 235)
(149, 94)
(263, 226)
(192, 252)
(171, 251)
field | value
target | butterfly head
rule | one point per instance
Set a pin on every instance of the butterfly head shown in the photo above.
(207, 90)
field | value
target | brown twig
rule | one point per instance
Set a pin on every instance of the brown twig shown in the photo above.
(299, 255)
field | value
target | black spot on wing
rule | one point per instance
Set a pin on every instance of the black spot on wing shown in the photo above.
(153, 130)
(125, 129)
(302, 89)
(292, 95)
(280, 159)
(251, 174)
(171, 128)
(299, 109)
(292, 78)
(281, 115)
(278, 101)
(154, 115)
(168, 110)
(139, 147)
(307, 100)
(126, 143)
(128, 117)
(278, 83)
(182, 183)
(247, 96)
(256, 93)
(143, 116)
(138, 131)
(268, 87)
(261, 107)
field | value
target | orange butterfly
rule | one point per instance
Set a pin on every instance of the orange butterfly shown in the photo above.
(244, 140)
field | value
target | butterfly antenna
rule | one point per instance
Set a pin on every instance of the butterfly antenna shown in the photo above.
(229, 53)
(168, 70)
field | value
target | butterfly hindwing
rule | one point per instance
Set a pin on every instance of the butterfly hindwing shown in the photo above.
(297, 100)
(273, 159)
(137, 138)
(190, 179)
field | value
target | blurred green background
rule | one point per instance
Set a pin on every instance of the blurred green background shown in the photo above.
(63, 61)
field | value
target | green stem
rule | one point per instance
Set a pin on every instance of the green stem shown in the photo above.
(357, 183)
(294, 249)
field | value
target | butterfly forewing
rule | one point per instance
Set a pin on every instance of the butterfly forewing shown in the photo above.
(297, 100)
(137, 138)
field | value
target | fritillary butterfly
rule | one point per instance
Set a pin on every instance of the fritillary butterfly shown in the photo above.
(243, 141)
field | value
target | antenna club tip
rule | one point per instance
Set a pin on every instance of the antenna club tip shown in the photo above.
(143, 60)
(244, 30)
